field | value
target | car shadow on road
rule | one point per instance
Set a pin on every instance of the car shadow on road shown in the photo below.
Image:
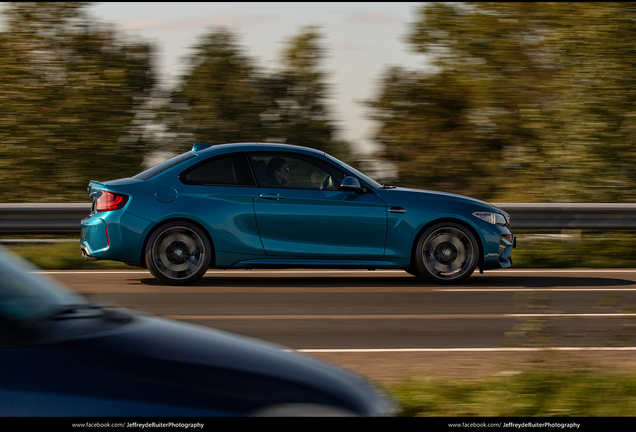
(481, 281)
(549, 281)
(296, 281)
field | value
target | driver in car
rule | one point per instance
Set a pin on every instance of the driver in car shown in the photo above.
(277, 172)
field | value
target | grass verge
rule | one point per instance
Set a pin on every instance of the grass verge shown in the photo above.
(546, 392)
(60, 256)
(576, 249)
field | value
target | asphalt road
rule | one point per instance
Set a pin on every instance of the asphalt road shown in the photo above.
(391, 313)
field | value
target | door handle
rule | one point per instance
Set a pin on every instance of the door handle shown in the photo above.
(271, 196)
(397, 210)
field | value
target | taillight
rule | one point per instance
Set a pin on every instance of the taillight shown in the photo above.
(109, 201)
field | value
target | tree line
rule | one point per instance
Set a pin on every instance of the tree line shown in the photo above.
(526, 102)
(79, 101)
(522, 102)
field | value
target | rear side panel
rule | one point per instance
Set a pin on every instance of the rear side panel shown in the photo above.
(114, 235)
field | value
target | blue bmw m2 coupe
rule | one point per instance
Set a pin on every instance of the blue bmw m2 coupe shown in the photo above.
(262, 205)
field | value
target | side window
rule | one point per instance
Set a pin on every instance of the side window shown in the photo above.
(295, 171)
(232, 170)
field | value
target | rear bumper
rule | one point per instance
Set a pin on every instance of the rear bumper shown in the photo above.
(115, 235)
(94, 237)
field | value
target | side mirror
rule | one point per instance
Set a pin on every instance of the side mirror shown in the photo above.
(352, 184)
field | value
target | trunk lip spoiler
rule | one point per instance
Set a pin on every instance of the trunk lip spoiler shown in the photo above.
(95, 188)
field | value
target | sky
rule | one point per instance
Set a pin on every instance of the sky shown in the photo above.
(362, 39)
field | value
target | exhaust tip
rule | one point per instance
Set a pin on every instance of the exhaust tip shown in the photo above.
(86, 255)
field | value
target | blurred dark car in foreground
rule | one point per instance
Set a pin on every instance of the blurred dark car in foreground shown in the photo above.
(62, 356)
(260, 205)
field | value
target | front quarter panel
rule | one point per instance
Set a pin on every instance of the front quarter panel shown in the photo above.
(423, 209)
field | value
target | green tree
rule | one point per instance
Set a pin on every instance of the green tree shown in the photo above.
(594, 141)
(526, 102)
(69, 93)
(225, 98)
(219, 100)
(298, 92)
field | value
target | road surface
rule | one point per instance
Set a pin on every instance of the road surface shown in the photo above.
(388, 325)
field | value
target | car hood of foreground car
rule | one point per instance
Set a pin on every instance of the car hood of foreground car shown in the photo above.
(152, 366)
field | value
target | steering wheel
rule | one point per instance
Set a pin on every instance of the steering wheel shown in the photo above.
(326, 183)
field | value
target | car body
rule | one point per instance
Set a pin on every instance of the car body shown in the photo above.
(224, 206)
(62, 356)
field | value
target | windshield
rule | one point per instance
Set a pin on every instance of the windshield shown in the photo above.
(28, 296)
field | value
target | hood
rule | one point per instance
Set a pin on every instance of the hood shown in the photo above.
(175, 363)
(444, 196)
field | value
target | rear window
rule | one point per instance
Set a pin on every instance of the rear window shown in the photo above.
(157, 169)
(231, 170)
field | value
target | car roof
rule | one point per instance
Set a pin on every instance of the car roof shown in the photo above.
(256, 146)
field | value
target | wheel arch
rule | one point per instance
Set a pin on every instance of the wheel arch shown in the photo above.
(176, 219)
(473, 231)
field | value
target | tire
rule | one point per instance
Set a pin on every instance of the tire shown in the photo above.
(446, 253)
(178, 253)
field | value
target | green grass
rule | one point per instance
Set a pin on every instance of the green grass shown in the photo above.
(532, 393)
(60, 256)
(576, 249)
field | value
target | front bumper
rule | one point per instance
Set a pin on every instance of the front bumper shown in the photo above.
(506, 243)
(498, 243)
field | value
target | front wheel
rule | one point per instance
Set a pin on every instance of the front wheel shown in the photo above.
(178, 253)
(446, 253)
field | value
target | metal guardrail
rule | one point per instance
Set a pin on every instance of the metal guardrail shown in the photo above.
(58, 218)
(575, 216)
(47, 218)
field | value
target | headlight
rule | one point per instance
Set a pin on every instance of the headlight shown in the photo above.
(492, 217)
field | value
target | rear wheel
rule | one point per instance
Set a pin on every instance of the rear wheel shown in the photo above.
(446, 253)
(178, 253)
